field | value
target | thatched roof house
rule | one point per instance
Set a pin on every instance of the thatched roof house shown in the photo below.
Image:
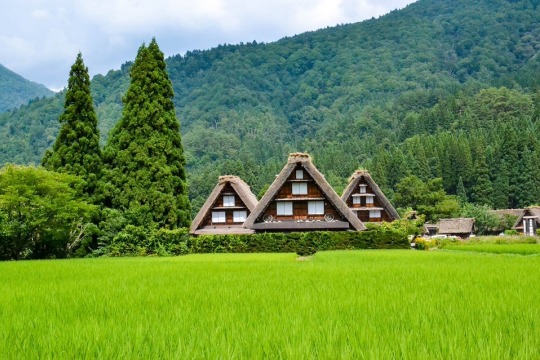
(462, 227)
(431, 229)
(300, 199)
(507, 219)
(529, 221)
(364, 197)
(226, 209)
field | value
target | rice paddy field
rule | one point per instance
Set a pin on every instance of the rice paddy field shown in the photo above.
(372, 304)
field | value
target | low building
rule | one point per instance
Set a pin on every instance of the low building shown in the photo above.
(300, 199)
(364, 197)
(431, 229)
(461, 227)
(226, 209)
(529, 222)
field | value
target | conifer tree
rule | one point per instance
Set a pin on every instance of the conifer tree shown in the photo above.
(529, 179)
(482, 189)
(144, 157)
(461, 192)
(501, 184)
(76, 150)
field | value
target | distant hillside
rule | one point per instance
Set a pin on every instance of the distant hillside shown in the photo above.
(339, 93)
(16, 90)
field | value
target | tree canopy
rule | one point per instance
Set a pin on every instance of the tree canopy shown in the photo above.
(76, 149)
(144, 155)
(41, 213)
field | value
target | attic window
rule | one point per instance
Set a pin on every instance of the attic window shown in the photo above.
(299, 174)
(218, 216)
(228, 200)
(374, 214)
(299, 188)
(356, 200)
(363, 188)
(369, 200)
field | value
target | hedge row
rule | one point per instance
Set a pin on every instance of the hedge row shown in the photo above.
(136, 241)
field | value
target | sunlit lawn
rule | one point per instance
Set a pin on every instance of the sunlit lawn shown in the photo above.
(377, 304)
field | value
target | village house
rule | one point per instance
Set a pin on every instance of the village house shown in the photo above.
(461, 227)
(226, 209)
(364, 197)
(300, 199)
(529, 221)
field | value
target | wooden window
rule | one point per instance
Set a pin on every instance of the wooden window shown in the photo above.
(369, 200)
(363, 188)
(356, 200)
(315, 207)
(284, 208)
(228, 200)
(374, 214)
(239, 216)
(218, 216)
(299, 174)
(299, 188)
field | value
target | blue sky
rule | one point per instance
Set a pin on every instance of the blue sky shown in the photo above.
(40, 39)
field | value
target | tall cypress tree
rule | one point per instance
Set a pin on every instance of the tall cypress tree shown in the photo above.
(144, 156)
(482, 190)
(76, 150)
(461, 192)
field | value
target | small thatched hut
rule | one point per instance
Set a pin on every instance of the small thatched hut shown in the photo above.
(462, 227)
(226, 209)
(300, 199)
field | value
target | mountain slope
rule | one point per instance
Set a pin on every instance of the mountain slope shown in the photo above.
(16, 90)
(337, 92)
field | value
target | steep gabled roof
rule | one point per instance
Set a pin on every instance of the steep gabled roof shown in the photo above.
(240, 187)
(328, 191)
(364, 174)
(530, 211)
(456, 226)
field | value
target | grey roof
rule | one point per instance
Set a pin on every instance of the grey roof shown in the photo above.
(353, 184)
(533, 211)
(456, 226)
(240, 187)
(328, 191)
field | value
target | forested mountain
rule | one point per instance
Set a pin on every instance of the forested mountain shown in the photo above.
(16, 90)
(412, 92)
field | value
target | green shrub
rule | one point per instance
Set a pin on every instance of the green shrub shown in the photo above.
(132, 240)
(510, 232)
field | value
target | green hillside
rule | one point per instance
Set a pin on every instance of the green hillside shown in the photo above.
(350, 95)
(16, 90)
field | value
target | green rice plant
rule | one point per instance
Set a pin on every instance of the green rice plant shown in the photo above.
(367, 304)
(519, 249)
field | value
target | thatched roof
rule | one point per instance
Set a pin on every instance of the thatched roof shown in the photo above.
(512, 212)
(355, 180)
(533, 211)
(456, 226)
(305, 161)
(240, 187)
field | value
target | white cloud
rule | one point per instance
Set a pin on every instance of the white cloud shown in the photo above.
(109, 32)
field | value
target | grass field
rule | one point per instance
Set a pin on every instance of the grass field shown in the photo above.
(517, 245)
(376, 304)
(518, 249)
